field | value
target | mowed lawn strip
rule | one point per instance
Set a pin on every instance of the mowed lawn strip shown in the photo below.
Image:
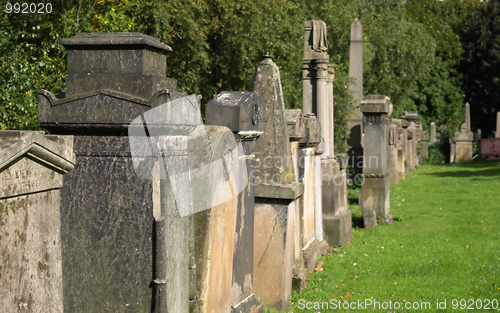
(443, 245)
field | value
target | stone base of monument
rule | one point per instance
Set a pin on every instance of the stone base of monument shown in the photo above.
(249, 305)
(375, 195)
(273, 250)
(311, 254)
(299, 278)
(338, 228)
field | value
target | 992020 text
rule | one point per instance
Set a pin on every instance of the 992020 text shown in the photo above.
(28, 8)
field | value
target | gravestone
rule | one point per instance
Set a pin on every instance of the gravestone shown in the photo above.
(467, 116)
(497, 134)
(309, 242)
(302, 227)
(392, 151)
(452, 150)
(245, 115)
(433, 133)
(400, 147)
(375, 201)
(411, 152)
(355, 122)
(463, 144)
(477, 136)
(109, 233)
(424, 145)
(276, 192)
(31, 174)
(489, 148)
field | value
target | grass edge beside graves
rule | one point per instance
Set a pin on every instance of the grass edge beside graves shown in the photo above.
(444, 245)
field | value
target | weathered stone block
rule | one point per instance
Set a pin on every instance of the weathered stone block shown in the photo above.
(31, 175)
(338, 228)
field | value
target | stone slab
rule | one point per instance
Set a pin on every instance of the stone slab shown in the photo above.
(338, 228)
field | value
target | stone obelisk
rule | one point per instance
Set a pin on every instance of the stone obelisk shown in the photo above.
(355, 123)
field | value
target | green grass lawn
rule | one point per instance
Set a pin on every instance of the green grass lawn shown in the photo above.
(444, 244)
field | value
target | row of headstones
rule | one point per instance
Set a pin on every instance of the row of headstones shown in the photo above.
(179, 215)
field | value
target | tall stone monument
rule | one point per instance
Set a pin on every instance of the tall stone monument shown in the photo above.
(467, 116)
(245, 115)
(392, 151)
(112, 238)
(276, 192)
(355, 122)
(375, 201)
(31, 174)
(318, 75)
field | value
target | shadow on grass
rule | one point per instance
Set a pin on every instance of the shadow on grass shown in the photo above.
(472, 169)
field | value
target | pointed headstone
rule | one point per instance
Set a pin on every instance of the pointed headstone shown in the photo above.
(276, 192)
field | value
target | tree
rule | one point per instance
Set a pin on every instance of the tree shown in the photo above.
(480, 64)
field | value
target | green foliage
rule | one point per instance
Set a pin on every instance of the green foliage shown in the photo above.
(33, 59)
(438, 152)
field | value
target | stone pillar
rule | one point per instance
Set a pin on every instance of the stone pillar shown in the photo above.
(419, 130)
(433, 133)
(467, 116)
(497, 134)
(424, 146)
(411, 152)
(31, 175)
(107, 221)
(403, 138)
(330, 78)
(315, 52)
(276, 193)
(392, 151)
(463, 144)
(355, 122)
(245, 115)
(375, 200)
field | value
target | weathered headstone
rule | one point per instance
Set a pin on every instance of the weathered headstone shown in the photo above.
(302, 223)
(245, 115)
(107, 213)
(424, 145)
(392, 151)
(489, 148)
(497, 134)
(467, 116)
(411, 151)
(433, 133)
(355, 122)
(452, 150)
(276, 193)
(376, 185)
(31, 175)
(477, 136)
(463, 144)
